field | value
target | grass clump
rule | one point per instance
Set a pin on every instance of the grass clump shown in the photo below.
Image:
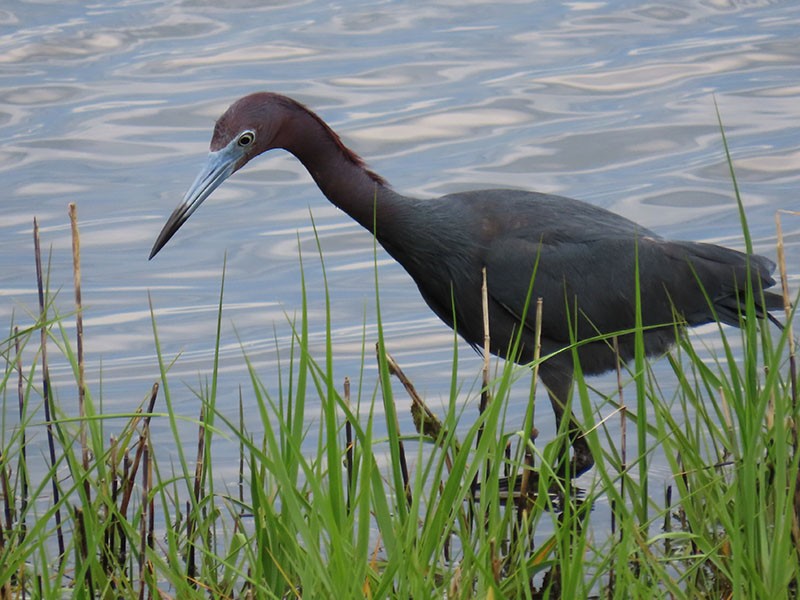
(354, 507)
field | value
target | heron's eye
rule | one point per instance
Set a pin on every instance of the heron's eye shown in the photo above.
(246, 138)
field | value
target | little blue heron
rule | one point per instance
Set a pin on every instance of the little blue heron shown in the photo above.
(583, 259)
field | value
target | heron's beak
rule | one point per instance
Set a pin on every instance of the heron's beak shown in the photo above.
(220, 165)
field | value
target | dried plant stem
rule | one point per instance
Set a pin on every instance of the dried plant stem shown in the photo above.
(348, 438)
(126, 472)
(151, 513)
(485, 395)
(787, 307)
(131, 470)
(425, 420)
(143, 562)
(533, 432)
(76, 276)
(83, 548)
(8, 496)
(46, 391)
(400, 446)
(623, 455)
(192, 516)
(110, 534)
(5, 590)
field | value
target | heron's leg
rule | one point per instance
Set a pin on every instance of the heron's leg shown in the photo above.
(558, 382)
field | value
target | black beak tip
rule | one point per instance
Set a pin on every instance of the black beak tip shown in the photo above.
(161, 241)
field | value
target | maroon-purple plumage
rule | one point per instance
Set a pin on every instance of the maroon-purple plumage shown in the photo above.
(266, 112)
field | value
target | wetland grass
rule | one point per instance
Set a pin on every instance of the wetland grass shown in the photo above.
(353, 507)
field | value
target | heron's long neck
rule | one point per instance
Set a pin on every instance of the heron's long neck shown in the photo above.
(343, 178)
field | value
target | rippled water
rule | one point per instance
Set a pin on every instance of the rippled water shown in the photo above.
(110, 105)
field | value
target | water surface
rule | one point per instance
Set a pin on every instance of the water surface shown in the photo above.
(111, 104)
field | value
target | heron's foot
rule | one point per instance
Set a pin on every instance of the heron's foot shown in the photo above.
(582, 460)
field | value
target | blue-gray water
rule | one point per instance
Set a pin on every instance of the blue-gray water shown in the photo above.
(111, 104)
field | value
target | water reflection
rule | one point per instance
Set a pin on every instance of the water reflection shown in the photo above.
(111, 106)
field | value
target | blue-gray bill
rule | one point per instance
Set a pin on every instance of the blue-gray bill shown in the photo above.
(219, 166)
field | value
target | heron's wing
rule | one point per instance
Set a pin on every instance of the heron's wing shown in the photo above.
(520, 272)
(591, 283)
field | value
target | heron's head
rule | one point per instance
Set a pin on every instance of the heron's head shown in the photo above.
(250, 126)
